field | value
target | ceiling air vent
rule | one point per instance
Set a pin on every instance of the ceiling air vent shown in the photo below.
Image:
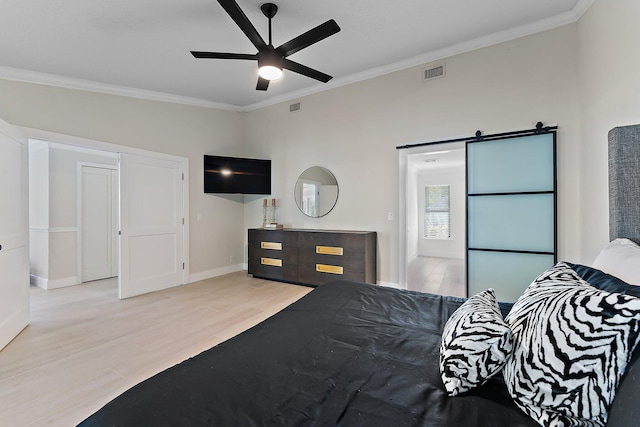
(433, 72)
(294, 107)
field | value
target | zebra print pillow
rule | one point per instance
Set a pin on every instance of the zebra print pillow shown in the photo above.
(475, 344)
(572, 343)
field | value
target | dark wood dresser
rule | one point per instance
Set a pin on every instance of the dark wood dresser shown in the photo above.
(312, 257)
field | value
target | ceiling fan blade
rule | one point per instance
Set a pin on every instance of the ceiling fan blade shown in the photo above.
(263, 84)
(305, 71)
(312, 36)
(223, 55)
(234, 11)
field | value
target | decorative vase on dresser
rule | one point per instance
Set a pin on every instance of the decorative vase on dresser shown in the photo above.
(312, 257)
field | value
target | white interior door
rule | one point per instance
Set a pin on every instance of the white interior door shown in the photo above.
(151, 224)
(14, 262)
(98, 228)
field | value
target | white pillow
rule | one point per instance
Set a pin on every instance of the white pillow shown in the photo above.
(571, 346)
(476, 343)
(620, 258)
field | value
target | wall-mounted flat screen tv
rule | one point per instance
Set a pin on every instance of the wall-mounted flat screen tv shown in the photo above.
(236, 175)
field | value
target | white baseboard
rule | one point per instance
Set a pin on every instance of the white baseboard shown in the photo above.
(208, 274)
(443, 254)
(48, 284)
(391, 285)
(37, 281)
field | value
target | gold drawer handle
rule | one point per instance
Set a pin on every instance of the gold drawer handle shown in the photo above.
(271, 245)
(271, 261)
(329, 250)
(333, 269)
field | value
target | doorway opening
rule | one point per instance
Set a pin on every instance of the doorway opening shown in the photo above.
(73, 214)
(432, 219)
(99, 211)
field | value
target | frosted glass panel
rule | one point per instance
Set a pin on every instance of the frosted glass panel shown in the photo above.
(511, 165)
(508, 273)
(517, 222)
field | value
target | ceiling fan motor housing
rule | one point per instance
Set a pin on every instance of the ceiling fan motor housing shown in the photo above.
(269, 58)
(269, 10)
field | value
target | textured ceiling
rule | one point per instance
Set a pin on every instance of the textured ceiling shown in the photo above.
(142, 47)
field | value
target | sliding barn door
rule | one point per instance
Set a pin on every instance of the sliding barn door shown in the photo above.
(14, 256)
(151, 224)
(511, 213)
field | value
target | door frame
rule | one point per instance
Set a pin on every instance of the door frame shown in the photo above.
(115, 148)
(79, 216)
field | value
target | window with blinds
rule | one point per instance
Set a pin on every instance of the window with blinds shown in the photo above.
(437, 212)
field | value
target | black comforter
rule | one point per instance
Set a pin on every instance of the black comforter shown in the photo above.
(346, 354)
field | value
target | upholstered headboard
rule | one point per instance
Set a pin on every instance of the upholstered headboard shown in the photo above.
(624, 221)
(624, 182)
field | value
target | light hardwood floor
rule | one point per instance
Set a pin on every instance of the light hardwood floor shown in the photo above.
(85, 347)
(443, 276)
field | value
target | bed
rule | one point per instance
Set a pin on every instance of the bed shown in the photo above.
(354, 354)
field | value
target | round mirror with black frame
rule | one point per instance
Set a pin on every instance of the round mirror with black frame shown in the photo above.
(316, 192)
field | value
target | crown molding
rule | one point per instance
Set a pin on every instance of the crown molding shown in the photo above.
(27, 76)
(437, 55)
(78, 84)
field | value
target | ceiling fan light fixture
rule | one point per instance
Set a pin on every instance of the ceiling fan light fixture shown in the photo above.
(269, 64)
(270, 72)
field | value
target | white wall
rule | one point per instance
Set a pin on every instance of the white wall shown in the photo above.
(609, 70)
(216, 223)
(353, 131)
(39, 209)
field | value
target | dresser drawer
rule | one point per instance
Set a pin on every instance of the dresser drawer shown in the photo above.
(257, 237)
(288, 255)
(309, 274)
(267, 271)
(345, 241)
(269, 267)
(352, 261)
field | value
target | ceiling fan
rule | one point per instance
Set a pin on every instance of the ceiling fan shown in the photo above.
(272, 60)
